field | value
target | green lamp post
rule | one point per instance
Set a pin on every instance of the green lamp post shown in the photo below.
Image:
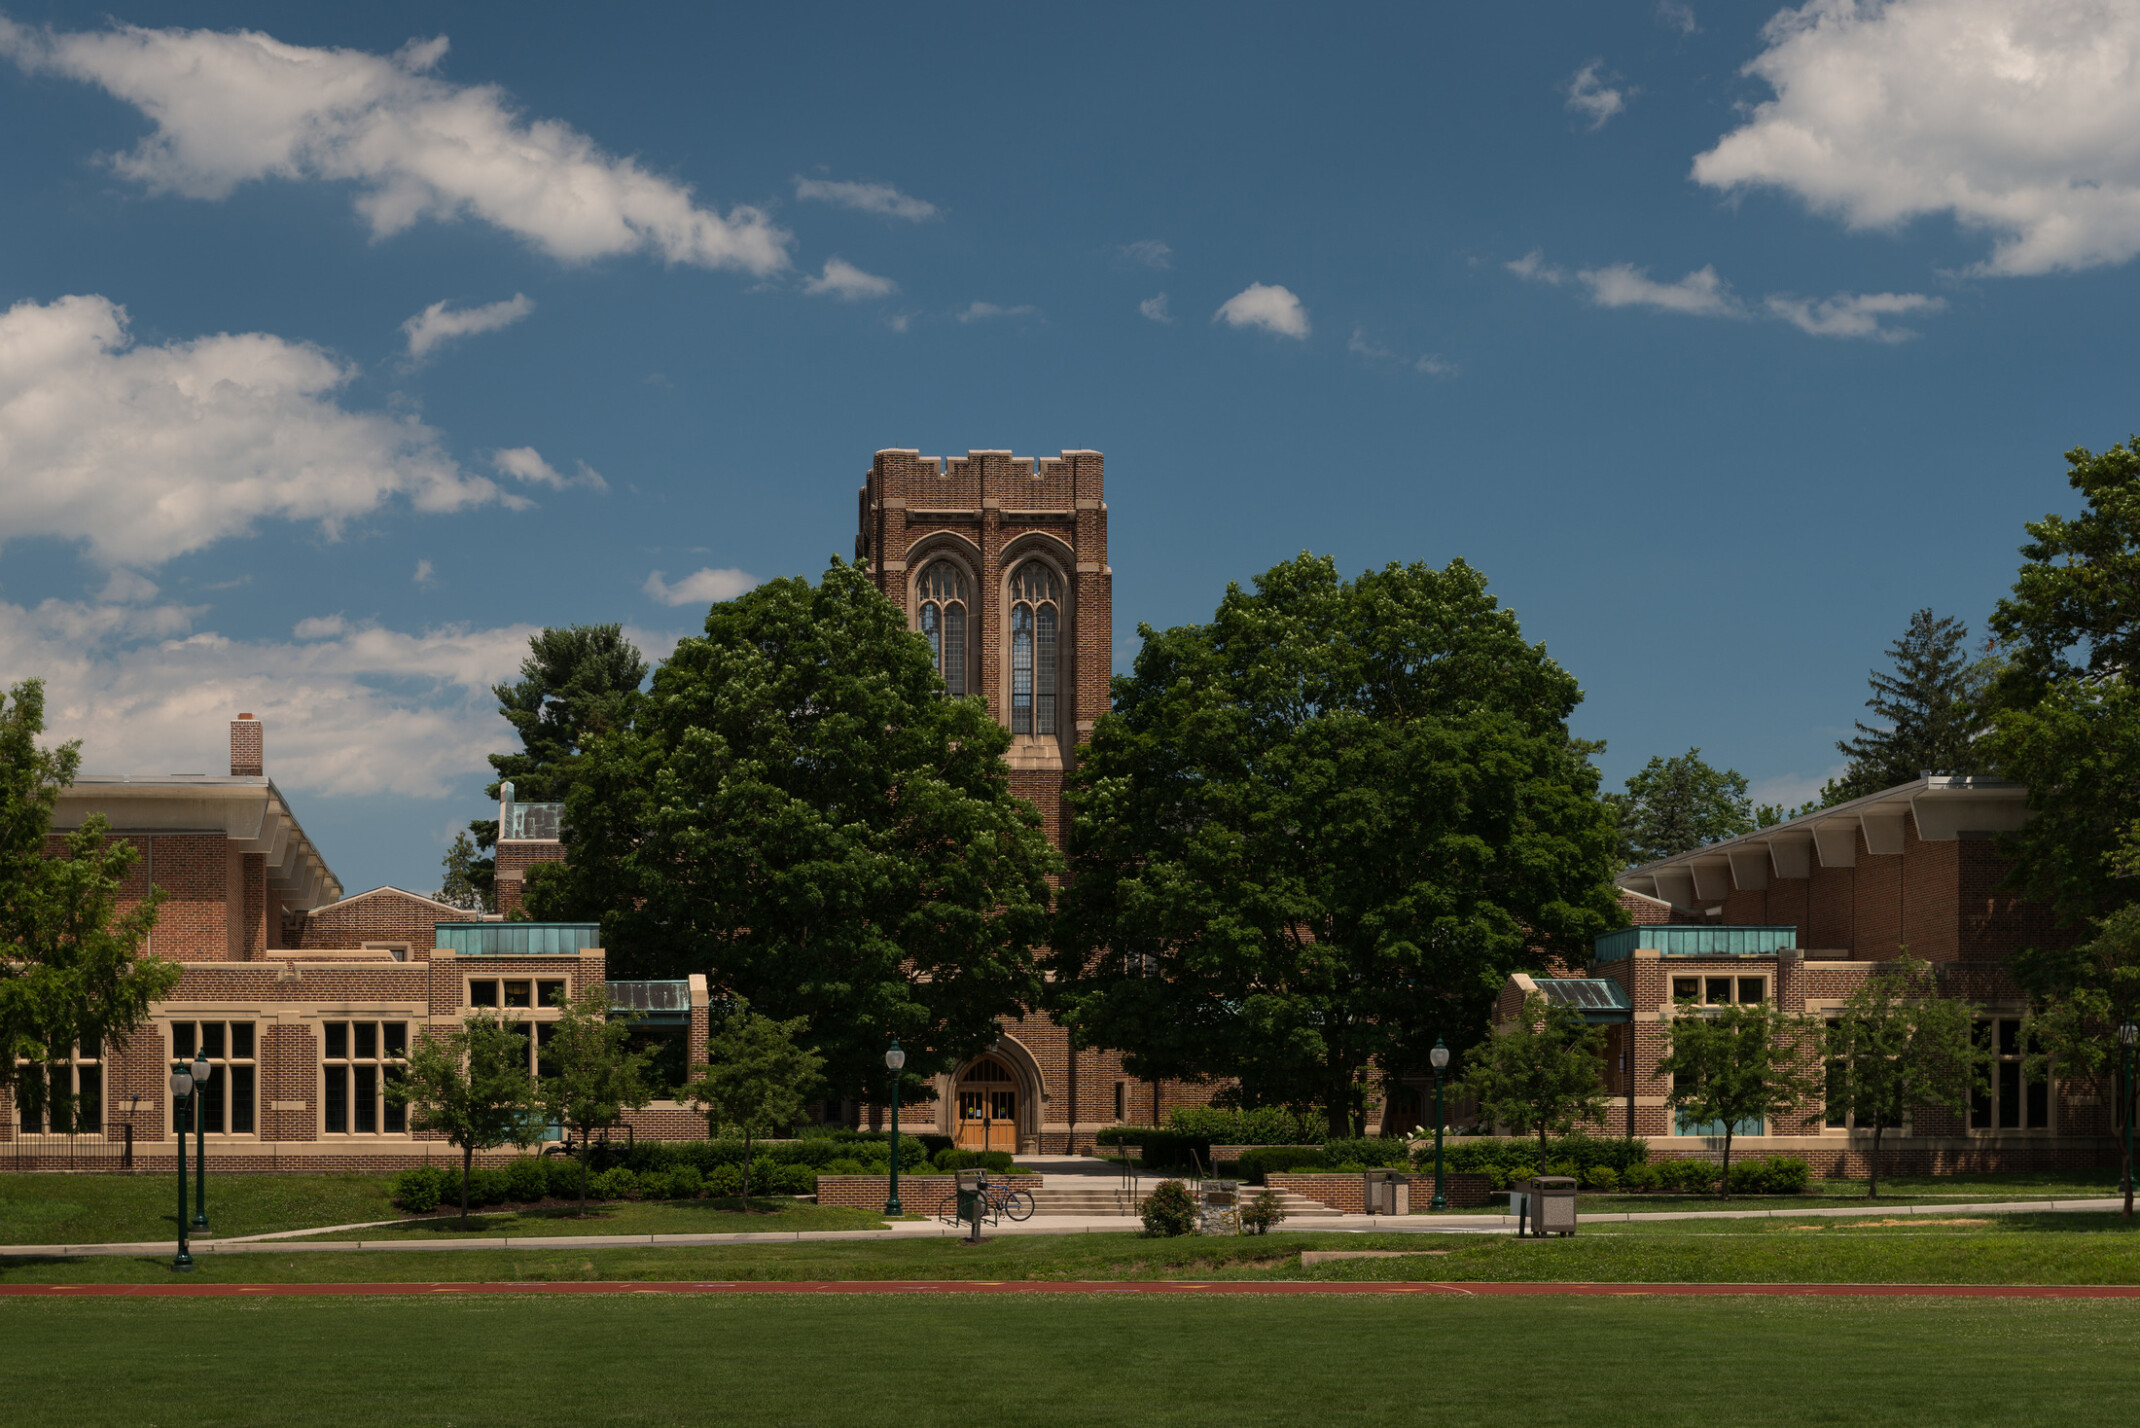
(895, 1061)
(182, 1105)
(201, 1072)
(2127, 1035)
(1440, 1057)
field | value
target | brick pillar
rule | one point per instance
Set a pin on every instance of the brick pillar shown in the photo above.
(247, 748)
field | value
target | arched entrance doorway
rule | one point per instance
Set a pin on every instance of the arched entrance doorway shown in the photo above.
(988, 1107)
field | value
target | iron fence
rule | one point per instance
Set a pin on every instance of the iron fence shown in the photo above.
(108, 1150)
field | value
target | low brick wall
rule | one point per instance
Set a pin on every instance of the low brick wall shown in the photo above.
(920, 1194)
(1344, 1192)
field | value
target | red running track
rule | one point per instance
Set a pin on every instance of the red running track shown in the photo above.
(183, 1289)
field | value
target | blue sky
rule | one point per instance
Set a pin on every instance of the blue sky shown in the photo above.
(1720, 337)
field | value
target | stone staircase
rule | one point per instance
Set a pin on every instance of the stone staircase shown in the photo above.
(1093, 1195)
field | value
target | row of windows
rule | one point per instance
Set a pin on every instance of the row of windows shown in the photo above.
(1035, 623)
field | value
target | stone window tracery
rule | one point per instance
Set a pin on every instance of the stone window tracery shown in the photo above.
(942, 594)
(1036, 618)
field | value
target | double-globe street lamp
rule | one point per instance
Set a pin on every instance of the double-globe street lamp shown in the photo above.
(184, 1083)
(2127, 1035)
(895, 1061)
(202, 1070)
(1440, 1057)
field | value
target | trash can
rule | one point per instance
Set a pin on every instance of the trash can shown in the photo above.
(1387, 1192)
(1550, 1200)
(970, 1184)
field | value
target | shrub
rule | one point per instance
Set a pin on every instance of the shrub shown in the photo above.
(1639, 1178)
(1168, 1211)
(1261, 1213)
(1775, 1175)
(1368, 1153)
(616, 1183)
(524, 1180)
(724, 1180)
(486, 1187)
(1258, 1165)
(1268, 1125)
(1602, 1177)
(420, 1188)
(788, 1180)
(1689, 1177)
(996, 1162)
(563, 1173)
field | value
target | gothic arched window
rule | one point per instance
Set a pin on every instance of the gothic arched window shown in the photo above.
(942, 590)
(1036, 615)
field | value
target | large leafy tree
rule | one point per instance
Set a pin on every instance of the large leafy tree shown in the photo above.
(799, 812)
(576, 684)
(1543, 1072)
(71, 966)
(2065, 713)
(1676, 804)
(1926, 710)
(1323, 828)
(1899, 1045)
(1737, 1065)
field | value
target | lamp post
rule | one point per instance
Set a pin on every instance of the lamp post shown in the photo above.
(201, 1072)
(1440, 1057)
(895, 1061)
(182, 1097)
(2127, 1035)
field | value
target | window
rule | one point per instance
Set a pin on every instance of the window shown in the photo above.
(230, 1103)
(1121, 1100)
(360, 1059)
(483, 993)
(942, 589)
(549, 994)
(1035, 614)
(2015, 1100)
(1718, 991)
(62, 1096)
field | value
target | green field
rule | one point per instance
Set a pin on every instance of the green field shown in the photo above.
(922, 1360)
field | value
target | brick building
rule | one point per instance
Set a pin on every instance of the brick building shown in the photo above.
(304, 1001)
(1798, 916)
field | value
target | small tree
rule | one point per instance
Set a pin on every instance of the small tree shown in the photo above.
(1897, 1045)
(1736, 1064)
(470, 1083)
(2081, 996)
(71, 967)
(1542, 1072)
(756, 1077)
(598, 1076)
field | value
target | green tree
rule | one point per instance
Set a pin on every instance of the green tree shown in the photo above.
(470, 1083)
(1319, 829)
(800, 813)
(597, 1076)
(576, 684)
(459, 885)
(2065, 714)
(1542, 1072)
(71, 967)
(1677, 804)
(1898, 1045)
(1735, 1066)
(1927, 708)
(756, 1078)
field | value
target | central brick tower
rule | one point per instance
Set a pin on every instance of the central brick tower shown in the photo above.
(1002, 562)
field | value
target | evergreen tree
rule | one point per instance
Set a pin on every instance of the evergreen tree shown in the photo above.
(1927, 708)
(1678, 804)
(575, 685)
(459, 886)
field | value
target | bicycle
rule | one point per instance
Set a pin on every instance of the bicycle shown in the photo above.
(997, 1203)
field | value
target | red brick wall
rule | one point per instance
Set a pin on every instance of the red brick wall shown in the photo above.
(515, 857)
(386, 915)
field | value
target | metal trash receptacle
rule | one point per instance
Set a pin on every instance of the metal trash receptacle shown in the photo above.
(1551, 1202)
(970, 1183)
(1387, 1192)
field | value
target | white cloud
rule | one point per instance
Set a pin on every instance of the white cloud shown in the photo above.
(1431, 365)
(425, 574)
(1700, 293)
(1155, 308)
(899, 321)
(842, 279)
(233, 107)
(1148, 253)
(879, 198)
(1267, 306)
(1435, 365)
(702, 587)
(144, 453)
(525, 463)
(1533, 267)
(439, 323)
(1792, 789)
(2017, 117)
(1590, 96)
(126, 587)
(1678, 16)
(983, 311)
(1853, 314)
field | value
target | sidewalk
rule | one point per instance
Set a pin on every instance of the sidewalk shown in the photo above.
(1056, 1225)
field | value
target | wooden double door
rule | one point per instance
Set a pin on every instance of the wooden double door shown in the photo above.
(988, 1107)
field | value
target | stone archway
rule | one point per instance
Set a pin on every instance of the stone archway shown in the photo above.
(994, 1101)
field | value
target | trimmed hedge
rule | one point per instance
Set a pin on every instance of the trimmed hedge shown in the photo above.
(1269, 1125)
(1502, 1158)
(849, 1154)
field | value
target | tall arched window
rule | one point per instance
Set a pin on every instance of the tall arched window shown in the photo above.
(1036, 614)
(942, 589)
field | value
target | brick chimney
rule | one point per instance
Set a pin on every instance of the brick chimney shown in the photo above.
(246, 751)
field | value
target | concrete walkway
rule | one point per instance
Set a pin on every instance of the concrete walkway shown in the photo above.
(1066, 1224)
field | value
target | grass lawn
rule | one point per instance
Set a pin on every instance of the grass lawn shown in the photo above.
(642, 1217)
(101, 1209)
(2006, 1249)
(1894, 1190)
(1098, 1361)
